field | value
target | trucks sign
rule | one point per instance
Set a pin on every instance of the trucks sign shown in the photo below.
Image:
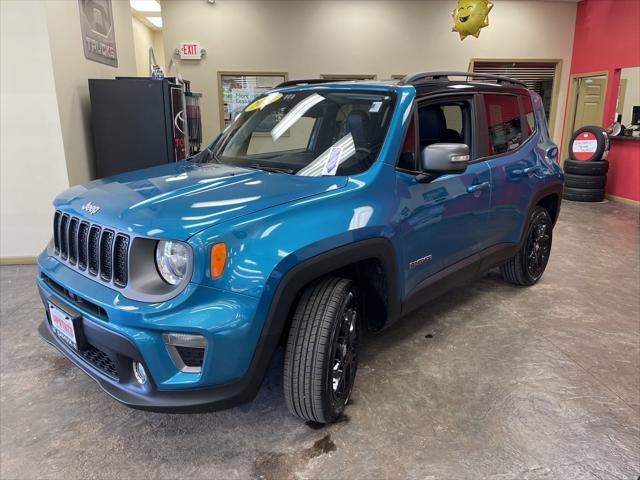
(98, 36)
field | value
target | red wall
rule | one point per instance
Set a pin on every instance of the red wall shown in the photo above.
(624, 170)
(607, 37)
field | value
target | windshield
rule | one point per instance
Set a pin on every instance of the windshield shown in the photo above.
(311, 132)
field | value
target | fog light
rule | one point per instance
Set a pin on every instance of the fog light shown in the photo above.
(140, 373)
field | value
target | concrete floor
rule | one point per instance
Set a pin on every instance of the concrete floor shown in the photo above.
(490, 381)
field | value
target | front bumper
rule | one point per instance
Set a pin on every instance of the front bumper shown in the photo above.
(119, 331)
(127, 392)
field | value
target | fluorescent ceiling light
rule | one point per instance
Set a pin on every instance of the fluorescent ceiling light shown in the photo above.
(145, 5)
(156, 21)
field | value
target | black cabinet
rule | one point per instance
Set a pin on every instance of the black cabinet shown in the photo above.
(137, 123)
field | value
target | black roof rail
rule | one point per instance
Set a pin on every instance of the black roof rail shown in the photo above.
(414, 78)
(311, 81)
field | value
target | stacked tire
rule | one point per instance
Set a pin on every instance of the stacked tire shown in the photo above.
(586, 169)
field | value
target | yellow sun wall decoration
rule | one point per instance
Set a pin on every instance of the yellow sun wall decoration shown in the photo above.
(470, 16)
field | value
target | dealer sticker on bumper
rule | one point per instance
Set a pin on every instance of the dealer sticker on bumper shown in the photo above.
(62, 325)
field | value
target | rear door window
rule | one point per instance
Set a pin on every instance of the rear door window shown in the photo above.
(503, 122)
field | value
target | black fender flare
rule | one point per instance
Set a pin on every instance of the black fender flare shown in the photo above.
(554, 188)
(295, 278)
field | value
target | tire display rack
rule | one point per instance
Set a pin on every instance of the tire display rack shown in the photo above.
(586, 169)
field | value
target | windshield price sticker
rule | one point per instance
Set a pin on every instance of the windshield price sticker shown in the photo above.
(331, 167)
(375, 107)
(264, 101)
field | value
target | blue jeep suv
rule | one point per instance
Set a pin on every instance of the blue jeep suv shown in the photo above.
(324, 209)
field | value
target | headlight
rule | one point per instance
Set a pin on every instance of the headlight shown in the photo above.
(172, 260)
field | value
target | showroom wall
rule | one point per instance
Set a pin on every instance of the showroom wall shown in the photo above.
(33, 166)
(143, 39)
(310, 38)
(599, 25)
(71, 71)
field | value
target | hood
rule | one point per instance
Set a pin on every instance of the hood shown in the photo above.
(180, 199)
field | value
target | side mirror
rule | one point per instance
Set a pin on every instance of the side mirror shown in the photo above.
(445, 158)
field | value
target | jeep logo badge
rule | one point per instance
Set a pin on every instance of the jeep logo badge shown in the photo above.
(90, 208)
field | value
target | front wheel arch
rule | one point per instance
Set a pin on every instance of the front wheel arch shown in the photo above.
(287, 282)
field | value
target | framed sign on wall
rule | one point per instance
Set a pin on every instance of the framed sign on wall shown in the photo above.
(237, 89)
(98, 34)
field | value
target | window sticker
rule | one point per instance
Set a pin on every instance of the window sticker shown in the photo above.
(336, 153)
(294, 115)
(375, 107)
(263, 102)
(331, 167)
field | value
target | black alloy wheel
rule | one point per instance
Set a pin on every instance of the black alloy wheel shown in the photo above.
(528, 264)
(538, 247)
(345, 348)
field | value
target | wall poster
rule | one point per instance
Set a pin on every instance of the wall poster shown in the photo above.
(98, 34)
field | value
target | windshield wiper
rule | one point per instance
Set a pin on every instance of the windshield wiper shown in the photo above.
(200, 157)
(271, 169)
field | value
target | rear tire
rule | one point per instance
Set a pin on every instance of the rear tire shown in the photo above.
(321, 359)
(528, 264)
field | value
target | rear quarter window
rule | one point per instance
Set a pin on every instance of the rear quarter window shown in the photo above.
(503, 122)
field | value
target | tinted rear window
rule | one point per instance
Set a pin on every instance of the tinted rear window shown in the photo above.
(503, 121)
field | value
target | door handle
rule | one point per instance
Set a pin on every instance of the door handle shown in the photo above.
(529, 170)
(478, 187)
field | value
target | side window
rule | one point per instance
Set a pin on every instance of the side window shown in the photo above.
(444, 123)
(530, 126)
(503, 121)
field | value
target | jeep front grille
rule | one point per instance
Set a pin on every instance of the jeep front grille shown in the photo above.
(93, 251)
(83, 241)
(64, 237)
(56, 232)
(106, 255)
(120, 263)
(73, 241)
(101, 252)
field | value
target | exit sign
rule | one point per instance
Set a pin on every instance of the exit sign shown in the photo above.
(190, 51)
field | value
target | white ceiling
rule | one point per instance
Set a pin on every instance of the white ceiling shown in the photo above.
(142, 16)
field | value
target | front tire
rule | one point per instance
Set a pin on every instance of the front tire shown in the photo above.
(527, 266)
(322, 350)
